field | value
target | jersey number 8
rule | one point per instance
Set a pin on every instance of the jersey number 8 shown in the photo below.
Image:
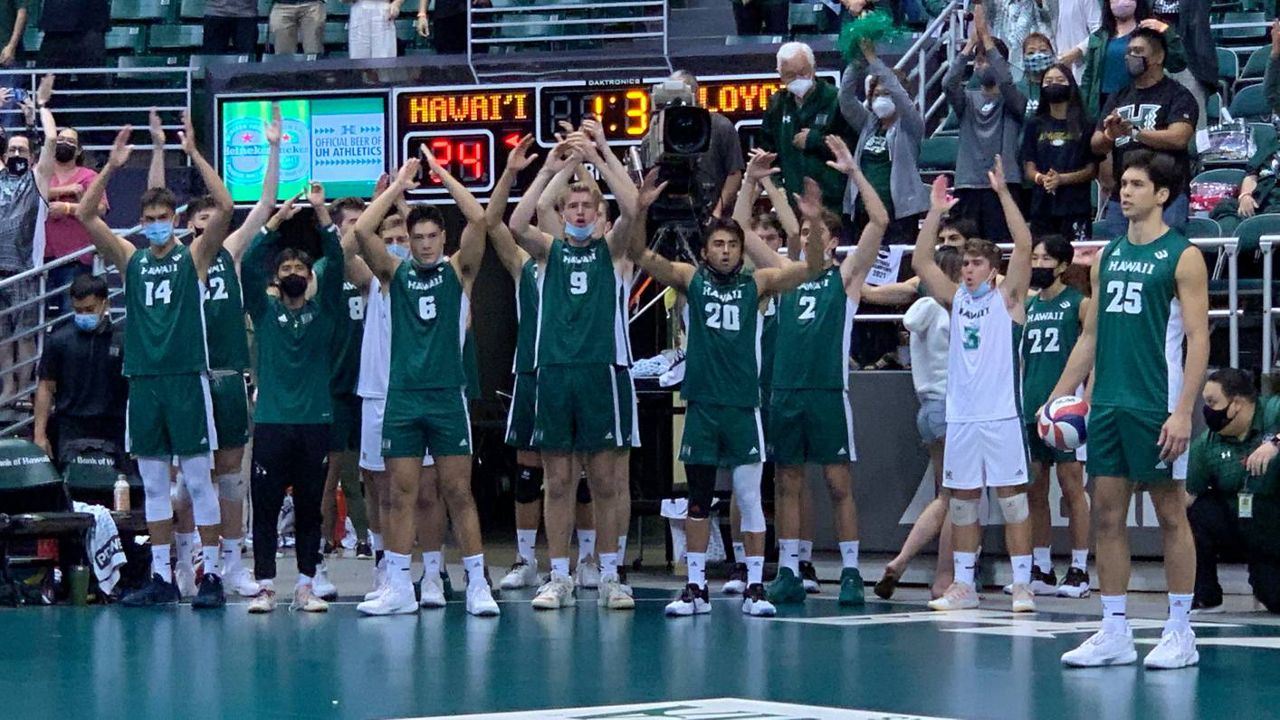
(723, 317)
(1126, 297)
(355, 308)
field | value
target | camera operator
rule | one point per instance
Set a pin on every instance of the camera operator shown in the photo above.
(717, 173)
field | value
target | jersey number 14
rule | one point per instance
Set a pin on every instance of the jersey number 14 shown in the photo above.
(159, 292)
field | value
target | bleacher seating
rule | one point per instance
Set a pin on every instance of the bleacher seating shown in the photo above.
(1250, 104)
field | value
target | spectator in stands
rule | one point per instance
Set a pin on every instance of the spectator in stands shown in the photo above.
(1104, 56)
(82, 386)
(1057, 159)
(1076, 21)
(1037, 58)
(718, 171)
(1154, 113)
(75, 35)
(297, 21)
(1258, 193)
(371, 29)
(230, 25)
(1233, 488)
(62, 231)
(1191, 18)
(1013, 20)
(760, 17)
(450, 25)
(798, 121)
(13, 21)
(990, 124)
(888, 147)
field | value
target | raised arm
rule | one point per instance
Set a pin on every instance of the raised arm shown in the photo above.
(536, 242)
(596, 150)
(155, 173)
(1018, 277)
(114, 249)
(1192, 282)
(504, 244)
(672, 274)
(549, 220)
(759, 168)
(786, 214)
(329, 284)
(44, 163)
(205, 248)
(466, 262)
(381, 263)
(852, 81)
(856, 265)
(262, 210)
(253, 269)
(792, 274)
(941, 287)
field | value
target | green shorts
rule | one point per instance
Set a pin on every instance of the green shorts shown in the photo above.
(170, 415)
(344, 429)
(417, 419)
(230, 408)
(524, 404)
(578, 409)
(811, 426)
(628, 412)
(722, 435)
(1041, 452)
(1122, 443)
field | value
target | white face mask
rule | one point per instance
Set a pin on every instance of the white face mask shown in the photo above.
(882, 106)
(800, 87)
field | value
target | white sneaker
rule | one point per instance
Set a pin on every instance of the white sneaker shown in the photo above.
(614, 595)
(239, 581)
(1024, 600)
(305, 599)
(393, 601)
(1103, 648)
(479, 600)
(324, 589)
(521, 575)
(737, 582)
(185, 578)
(588, 575)
(693, 600)
(432, 593)
(556, 593)
(755, 604)
(263, 602)
(960, 596)
(1177, 649)
(1075, 584)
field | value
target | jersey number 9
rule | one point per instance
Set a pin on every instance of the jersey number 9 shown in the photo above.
(578, 282)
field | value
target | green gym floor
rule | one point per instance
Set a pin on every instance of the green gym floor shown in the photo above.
(887, 660)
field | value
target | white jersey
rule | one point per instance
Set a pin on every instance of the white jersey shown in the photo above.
(375, 345)
(982, 362)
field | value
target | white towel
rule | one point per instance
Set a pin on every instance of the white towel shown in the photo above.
(102, 541)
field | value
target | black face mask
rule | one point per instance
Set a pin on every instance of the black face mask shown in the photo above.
(1216, 420)
(987, 76)
(1135, 65)
(1055, 93)
(65, 152)
(1041, 278)
(292, 286)
(17, 165)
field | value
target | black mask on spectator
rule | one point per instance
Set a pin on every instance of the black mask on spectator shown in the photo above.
(292, 286)
(1041, 278)
(1055, 93)
(65, 152)
(1135, 65)
(17, 165)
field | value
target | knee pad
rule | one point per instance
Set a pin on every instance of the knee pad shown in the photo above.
(584, 490)
(1015, 508)
(702, 488)
(963, 512)
(196, 471)
(528, 484)
(178, 493)
(746, 491)
(156, 485)
(233, 487)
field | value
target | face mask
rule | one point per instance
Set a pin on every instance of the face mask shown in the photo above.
(17, 165)
(88, 322)
(1041, 278)
(987, 76)
(158, 233)
(882, 106)
(399, 251)
(580, 234)
(800, 87)
(1123, 9)
(1055, 93)
(1037, 62)
(1135, 65)
(1216, 420)
(292, 286)
(981, 291)
(65, 152)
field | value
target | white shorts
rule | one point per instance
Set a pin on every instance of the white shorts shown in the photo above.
(369, 33)
(982, 454)
(371, 436)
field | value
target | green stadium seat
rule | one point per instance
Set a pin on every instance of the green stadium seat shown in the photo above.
(340, 9)
(1252, 229)
(405, 31)
(264, 34)
(418, 50)
(264, 8)
(802, 17)
(1243, 36)
(1199, 227)
(1213, 108)
(32, 38)
(126, 62)
(159, 11)
(1228, 66)
(731, 40)
(1250, 104)
(198, 63)
(938, 154)
(1264, 133)
(192, 9)
(126, 38)
(175, 37)
(1255, 66)
(1231, 176)
(335, 33)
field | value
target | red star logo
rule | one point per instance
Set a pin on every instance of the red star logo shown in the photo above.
(285, 137)
(247, 137)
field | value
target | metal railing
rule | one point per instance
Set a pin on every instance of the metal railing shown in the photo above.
(557, 23)
(946, 30)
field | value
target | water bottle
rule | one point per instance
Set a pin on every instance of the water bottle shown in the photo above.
(121, 489)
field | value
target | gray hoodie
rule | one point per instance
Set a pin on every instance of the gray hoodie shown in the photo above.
(988, 124)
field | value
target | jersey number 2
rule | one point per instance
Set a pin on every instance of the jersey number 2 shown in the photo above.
(808, 303)
(158, 292)
(1126, 297)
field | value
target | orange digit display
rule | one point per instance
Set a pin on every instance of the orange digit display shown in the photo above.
(637, 113)
(454, 108)
(738, 99)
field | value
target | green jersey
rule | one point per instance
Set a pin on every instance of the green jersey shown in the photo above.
(1216, 462)
(1048, 336)
(723, 357)
(768, 342)
(815, 324)
(228, 339)
(165, 334)
(294, 346)
(527, 316)
(348, 336)
(1138, 362)
(581, 318)
(428, 325)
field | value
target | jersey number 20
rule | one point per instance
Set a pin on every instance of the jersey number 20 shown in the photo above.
(723, 317)
(1126, 297)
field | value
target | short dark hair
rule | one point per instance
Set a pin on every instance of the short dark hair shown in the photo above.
(424, 213)
(1156, 39)
(949, 260)
(288, 254)
(346, 204)
(831, 221)
(977, 247)
(1161, 169)
(197, 205)
(88, 286)
(769, 220)
(728, 225)
(1057, 247)
(964, 226)
(158, 197)
(1001, 47)
(1235, 383)
(1037, 36)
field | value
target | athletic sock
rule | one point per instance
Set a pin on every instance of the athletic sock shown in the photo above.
(789, 555)
(231, 559)
(268, 584)
(964, 563)
(474, 565)
(375, 542)
(586, 544)
(697, 568)
(160, 562)
(431, 563)
(1080, 559)
(622, 549)
(1021, 569)
(609, 564)
(849, 554)
(304, 581)
(755, 569)
(1179, 609)
(806, 551)
(739, 552)
(560, 566)
(1043, 559)
(398, 570)
(186, 546)
(209, 553)
(1113, 613)
(526, 543)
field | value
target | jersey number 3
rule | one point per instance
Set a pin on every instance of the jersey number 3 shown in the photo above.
(1126, 297)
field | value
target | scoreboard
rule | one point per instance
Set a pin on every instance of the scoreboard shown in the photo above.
(471, 128)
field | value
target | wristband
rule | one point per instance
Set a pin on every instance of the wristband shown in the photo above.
(1275, 440)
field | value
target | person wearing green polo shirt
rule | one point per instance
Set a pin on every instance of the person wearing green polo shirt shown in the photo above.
(1233, 495)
